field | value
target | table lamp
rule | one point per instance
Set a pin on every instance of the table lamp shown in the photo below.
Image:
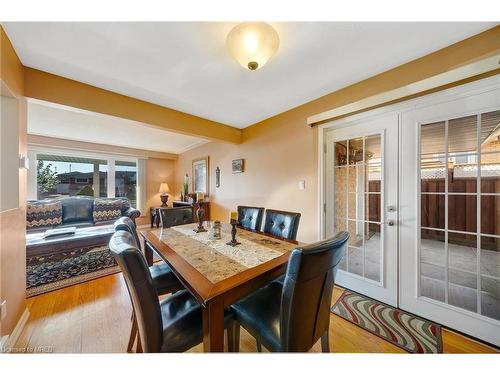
(164, 190)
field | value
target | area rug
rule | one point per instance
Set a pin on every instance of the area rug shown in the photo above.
(55, 271)
(413, 334)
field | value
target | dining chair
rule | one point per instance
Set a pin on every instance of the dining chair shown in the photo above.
(173, 324)
(292, 316)
(282, 224)
(170, 217)
(250, 217)
(163, 278)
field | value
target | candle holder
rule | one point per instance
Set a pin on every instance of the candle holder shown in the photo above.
(200, 214)
(233, 241)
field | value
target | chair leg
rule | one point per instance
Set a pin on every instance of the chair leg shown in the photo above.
(236, 336)
(230, 337)
(139, 345)
(325, 344)
(133, 334)
(259, 345)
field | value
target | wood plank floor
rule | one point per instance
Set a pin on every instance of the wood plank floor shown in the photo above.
(94, 317)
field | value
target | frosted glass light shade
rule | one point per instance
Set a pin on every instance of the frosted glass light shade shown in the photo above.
(252, 44)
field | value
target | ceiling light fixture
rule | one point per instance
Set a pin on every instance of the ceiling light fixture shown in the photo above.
(252, 44)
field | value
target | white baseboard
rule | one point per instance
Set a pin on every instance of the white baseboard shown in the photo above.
(9, 341)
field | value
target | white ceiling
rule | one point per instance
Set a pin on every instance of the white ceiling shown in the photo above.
(185, 66)
(77, 125)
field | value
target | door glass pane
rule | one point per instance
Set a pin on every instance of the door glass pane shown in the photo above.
(372, 251)
(451, 161)
(357, 201)
(59, 176)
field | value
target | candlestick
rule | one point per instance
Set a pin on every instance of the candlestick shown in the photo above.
(233, 241)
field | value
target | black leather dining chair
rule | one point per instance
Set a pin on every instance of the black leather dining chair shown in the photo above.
(173, 324)
(292, 316)
(163, 278)
(250, 217)
(282, 224)
(170, 217)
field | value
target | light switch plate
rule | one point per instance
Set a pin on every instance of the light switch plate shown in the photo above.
(302, 185)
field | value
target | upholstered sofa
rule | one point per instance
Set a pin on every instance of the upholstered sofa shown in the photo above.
(77, 212)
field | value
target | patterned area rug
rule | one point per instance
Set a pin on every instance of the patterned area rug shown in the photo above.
(51, 272)
(400, 328)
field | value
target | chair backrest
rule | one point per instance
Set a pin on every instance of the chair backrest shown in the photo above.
(250, 217)
(282, 224)
(171, 217)
(141, 290)
(307, 292)
(127, 224)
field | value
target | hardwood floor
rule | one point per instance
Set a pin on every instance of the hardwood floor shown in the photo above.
(94, 317)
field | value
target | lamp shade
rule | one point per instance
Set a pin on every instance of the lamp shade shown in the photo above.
(252, 44)
(164, 188)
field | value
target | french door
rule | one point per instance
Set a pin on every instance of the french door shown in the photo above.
(450, 213)
(361, 197)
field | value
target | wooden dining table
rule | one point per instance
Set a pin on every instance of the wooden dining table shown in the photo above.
(218, 274)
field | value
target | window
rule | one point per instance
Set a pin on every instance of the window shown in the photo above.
(63, 173)
(59, 175)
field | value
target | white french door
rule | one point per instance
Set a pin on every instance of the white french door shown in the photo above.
(450, 213)
(361, 197)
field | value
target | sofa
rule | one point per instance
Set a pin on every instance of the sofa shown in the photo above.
(77, 212)
(61, 261)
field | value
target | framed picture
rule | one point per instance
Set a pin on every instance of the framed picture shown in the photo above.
(200, 175)
(238, 165)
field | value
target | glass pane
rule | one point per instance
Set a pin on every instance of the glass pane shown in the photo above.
(490, 297)
(340, 205)
(432, 210)
(432, 138)
(340, 153)
(490, 256)
(490, 173)
(433, 174)
(462, 135)
(355, 233)
(372, 207)
(462, 296)
(356, 178)
(126, 181)
(432, 262)
(355, 261)
(343, 263)
(339, 225)
(373, 158)
(59, 176)
(490, 214)
(356, 151)
(356, 206)
(340, 177)
(490, 131)
(432, 247)
(463, 173)
(462, 213)
(462, 255)
(372, 251)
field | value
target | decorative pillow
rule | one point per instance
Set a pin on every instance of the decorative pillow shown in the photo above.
(43, 214)
(107, 209)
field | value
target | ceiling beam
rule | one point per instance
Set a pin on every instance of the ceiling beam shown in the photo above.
(56, 89)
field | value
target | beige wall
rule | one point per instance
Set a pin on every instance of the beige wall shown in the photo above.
(282, 150)
(12, 222)
(157, 171)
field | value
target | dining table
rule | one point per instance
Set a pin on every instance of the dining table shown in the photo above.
(216, 273)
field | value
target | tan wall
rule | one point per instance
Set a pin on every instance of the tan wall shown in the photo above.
(157, 171)
(282, 150)
(12, 222)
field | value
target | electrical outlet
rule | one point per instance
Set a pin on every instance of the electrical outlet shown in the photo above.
(3, 310)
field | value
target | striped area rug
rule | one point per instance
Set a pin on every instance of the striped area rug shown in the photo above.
(400, 328)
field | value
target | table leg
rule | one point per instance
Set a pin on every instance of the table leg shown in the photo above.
(213, 326)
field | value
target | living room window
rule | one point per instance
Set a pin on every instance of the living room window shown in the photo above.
(61, 173)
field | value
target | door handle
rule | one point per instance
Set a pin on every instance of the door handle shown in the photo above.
(390, 223)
